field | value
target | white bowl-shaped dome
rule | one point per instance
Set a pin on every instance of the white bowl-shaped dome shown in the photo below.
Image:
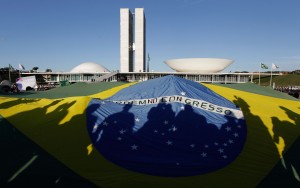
(199, 65)
(89, 67)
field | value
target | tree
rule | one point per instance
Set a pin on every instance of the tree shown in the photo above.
(34, 69)
(48, 70)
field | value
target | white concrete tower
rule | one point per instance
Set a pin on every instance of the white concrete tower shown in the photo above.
(126, 40)
(140, 42)
(132, 52)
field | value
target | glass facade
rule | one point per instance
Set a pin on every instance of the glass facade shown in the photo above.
(138, 77)
(208, 78)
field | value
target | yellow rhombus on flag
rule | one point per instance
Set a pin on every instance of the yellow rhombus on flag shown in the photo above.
(58, 127)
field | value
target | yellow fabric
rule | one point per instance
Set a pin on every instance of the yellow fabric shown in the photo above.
(110, 92)
(59, 127)
(266, 108)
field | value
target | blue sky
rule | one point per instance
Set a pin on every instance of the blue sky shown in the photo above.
(61, 34)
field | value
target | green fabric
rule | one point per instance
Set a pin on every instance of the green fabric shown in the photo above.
(68, 142)
(77, 89)
(286, 172)
(23, 162)
(261, 90)
(283, 174)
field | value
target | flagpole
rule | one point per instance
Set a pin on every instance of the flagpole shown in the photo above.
(259, 75)
(271, 77)
(9, 74)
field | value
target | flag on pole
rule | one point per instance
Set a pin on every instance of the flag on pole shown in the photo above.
(148, 63)
(274, 66)
(11, 68)
(263, 66)
(21, 67)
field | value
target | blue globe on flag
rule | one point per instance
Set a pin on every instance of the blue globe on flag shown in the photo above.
(169, 127)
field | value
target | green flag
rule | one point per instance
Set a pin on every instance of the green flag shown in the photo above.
(11, 68)
(263, 66)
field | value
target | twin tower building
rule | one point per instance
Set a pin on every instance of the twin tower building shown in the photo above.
(132, 40)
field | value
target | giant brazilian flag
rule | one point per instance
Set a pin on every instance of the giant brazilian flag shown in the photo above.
(163, 132)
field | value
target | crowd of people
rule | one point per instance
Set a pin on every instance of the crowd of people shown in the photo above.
(291, 90)
(8, 87)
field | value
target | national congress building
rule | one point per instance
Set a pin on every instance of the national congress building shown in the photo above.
(133, 66)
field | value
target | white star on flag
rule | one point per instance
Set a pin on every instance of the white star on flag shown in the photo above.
(169, 142)
(137, 119)
(173, 129)
(166, 122)
(122, 131)
(95, 128)
(134, 147)
(204, 154)
(182, 93)
(228, 129)
(221, 150)
(105, 123)
(182, 107)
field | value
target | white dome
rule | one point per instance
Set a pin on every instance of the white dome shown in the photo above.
(89, 67)
(199, 65)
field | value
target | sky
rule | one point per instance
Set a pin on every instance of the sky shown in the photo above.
(61, 34)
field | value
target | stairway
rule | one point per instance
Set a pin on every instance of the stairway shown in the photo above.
(105, 77)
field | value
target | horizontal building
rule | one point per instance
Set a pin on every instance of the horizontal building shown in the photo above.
(224, 78)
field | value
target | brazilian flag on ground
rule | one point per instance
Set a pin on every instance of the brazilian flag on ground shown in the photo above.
(165, 132)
